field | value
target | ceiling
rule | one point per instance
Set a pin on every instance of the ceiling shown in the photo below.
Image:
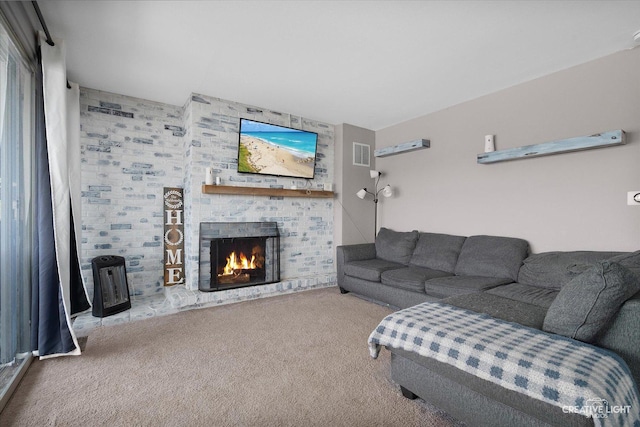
(367, 63)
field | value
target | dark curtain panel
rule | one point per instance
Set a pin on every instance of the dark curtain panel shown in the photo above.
(79, 302)
(50, 332)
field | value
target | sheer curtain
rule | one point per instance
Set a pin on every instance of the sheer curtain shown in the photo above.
(59, 292)
(16, 168)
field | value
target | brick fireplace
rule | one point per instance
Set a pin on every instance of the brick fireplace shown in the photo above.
(133, 148)
(238, 254)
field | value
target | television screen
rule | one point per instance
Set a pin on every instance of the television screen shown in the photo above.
(276, 150)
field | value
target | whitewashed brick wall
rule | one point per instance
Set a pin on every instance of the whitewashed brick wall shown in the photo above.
(305, 224)
(132, 148)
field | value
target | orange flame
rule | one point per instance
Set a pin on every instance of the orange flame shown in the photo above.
(238, 262)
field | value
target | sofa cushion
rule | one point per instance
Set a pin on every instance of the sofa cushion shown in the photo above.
(541, 297)
(444, 287)
(492, 256)
(395, 246)
(369, 269)
(631, 260)
(555, 269)
(589, 301)
(437, 251)
(501, 308)
(410, 278)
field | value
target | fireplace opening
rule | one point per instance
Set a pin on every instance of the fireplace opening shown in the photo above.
(238, 261)
(241, 254)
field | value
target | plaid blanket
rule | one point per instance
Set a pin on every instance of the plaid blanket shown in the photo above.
(575, 376)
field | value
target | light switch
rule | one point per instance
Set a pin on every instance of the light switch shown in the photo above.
(633, 198)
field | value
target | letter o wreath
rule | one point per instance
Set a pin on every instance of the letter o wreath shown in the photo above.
(169, 242)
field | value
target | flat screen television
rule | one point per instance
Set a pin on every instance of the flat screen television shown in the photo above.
(268, 149)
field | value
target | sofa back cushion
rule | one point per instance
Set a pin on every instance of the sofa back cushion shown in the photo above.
(588, 302)
(492, 256)
(437, 251)
(395, 246)
(631, 260)
(555, 269)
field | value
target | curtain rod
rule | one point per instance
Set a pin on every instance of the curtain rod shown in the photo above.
(44, 25)
(46, 30)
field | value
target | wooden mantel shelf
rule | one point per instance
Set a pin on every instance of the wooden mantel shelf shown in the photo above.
(261, 191)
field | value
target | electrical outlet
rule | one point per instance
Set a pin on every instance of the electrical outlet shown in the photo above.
(633, 198)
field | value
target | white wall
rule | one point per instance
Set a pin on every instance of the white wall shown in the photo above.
(568, 201)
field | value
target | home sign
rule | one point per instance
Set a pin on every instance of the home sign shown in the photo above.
(173, 236)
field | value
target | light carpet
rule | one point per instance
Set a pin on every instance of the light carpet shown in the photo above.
(294, 360)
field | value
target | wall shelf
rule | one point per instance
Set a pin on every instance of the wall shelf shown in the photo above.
(405, 147)
(261, 191)
(599, 140)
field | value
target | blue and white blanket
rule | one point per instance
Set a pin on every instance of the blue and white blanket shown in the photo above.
(569, 374)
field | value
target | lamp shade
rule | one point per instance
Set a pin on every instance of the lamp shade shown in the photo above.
(361, 193)
(387, 191)
(374, 173)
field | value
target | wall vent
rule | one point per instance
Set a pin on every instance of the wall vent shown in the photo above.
(361, 154)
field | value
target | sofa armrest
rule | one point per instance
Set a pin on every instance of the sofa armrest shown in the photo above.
(623, 335)
(348, 253)
(357, 252)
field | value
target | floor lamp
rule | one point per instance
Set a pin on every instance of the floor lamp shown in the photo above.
(386, 192)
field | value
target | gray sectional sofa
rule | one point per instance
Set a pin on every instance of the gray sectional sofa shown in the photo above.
(552, 291)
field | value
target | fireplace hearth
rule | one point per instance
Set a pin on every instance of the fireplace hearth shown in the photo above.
(238, 254)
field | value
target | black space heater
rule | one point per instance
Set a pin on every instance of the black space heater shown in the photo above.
(110, 288)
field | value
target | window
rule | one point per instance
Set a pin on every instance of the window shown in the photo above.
(16, 168)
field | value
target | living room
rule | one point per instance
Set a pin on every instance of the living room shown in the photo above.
(565, 202)
(588, 98)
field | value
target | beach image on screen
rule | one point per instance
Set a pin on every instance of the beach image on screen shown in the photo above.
(276, 150)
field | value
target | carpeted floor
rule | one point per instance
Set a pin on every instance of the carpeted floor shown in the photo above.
(293, 360)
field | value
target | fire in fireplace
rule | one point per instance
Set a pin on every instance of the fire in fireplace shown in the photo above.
(238, 254)
(232, 266)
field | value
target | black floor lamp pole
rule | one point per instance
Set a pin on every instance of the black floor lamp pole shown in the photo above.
(375, 218)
